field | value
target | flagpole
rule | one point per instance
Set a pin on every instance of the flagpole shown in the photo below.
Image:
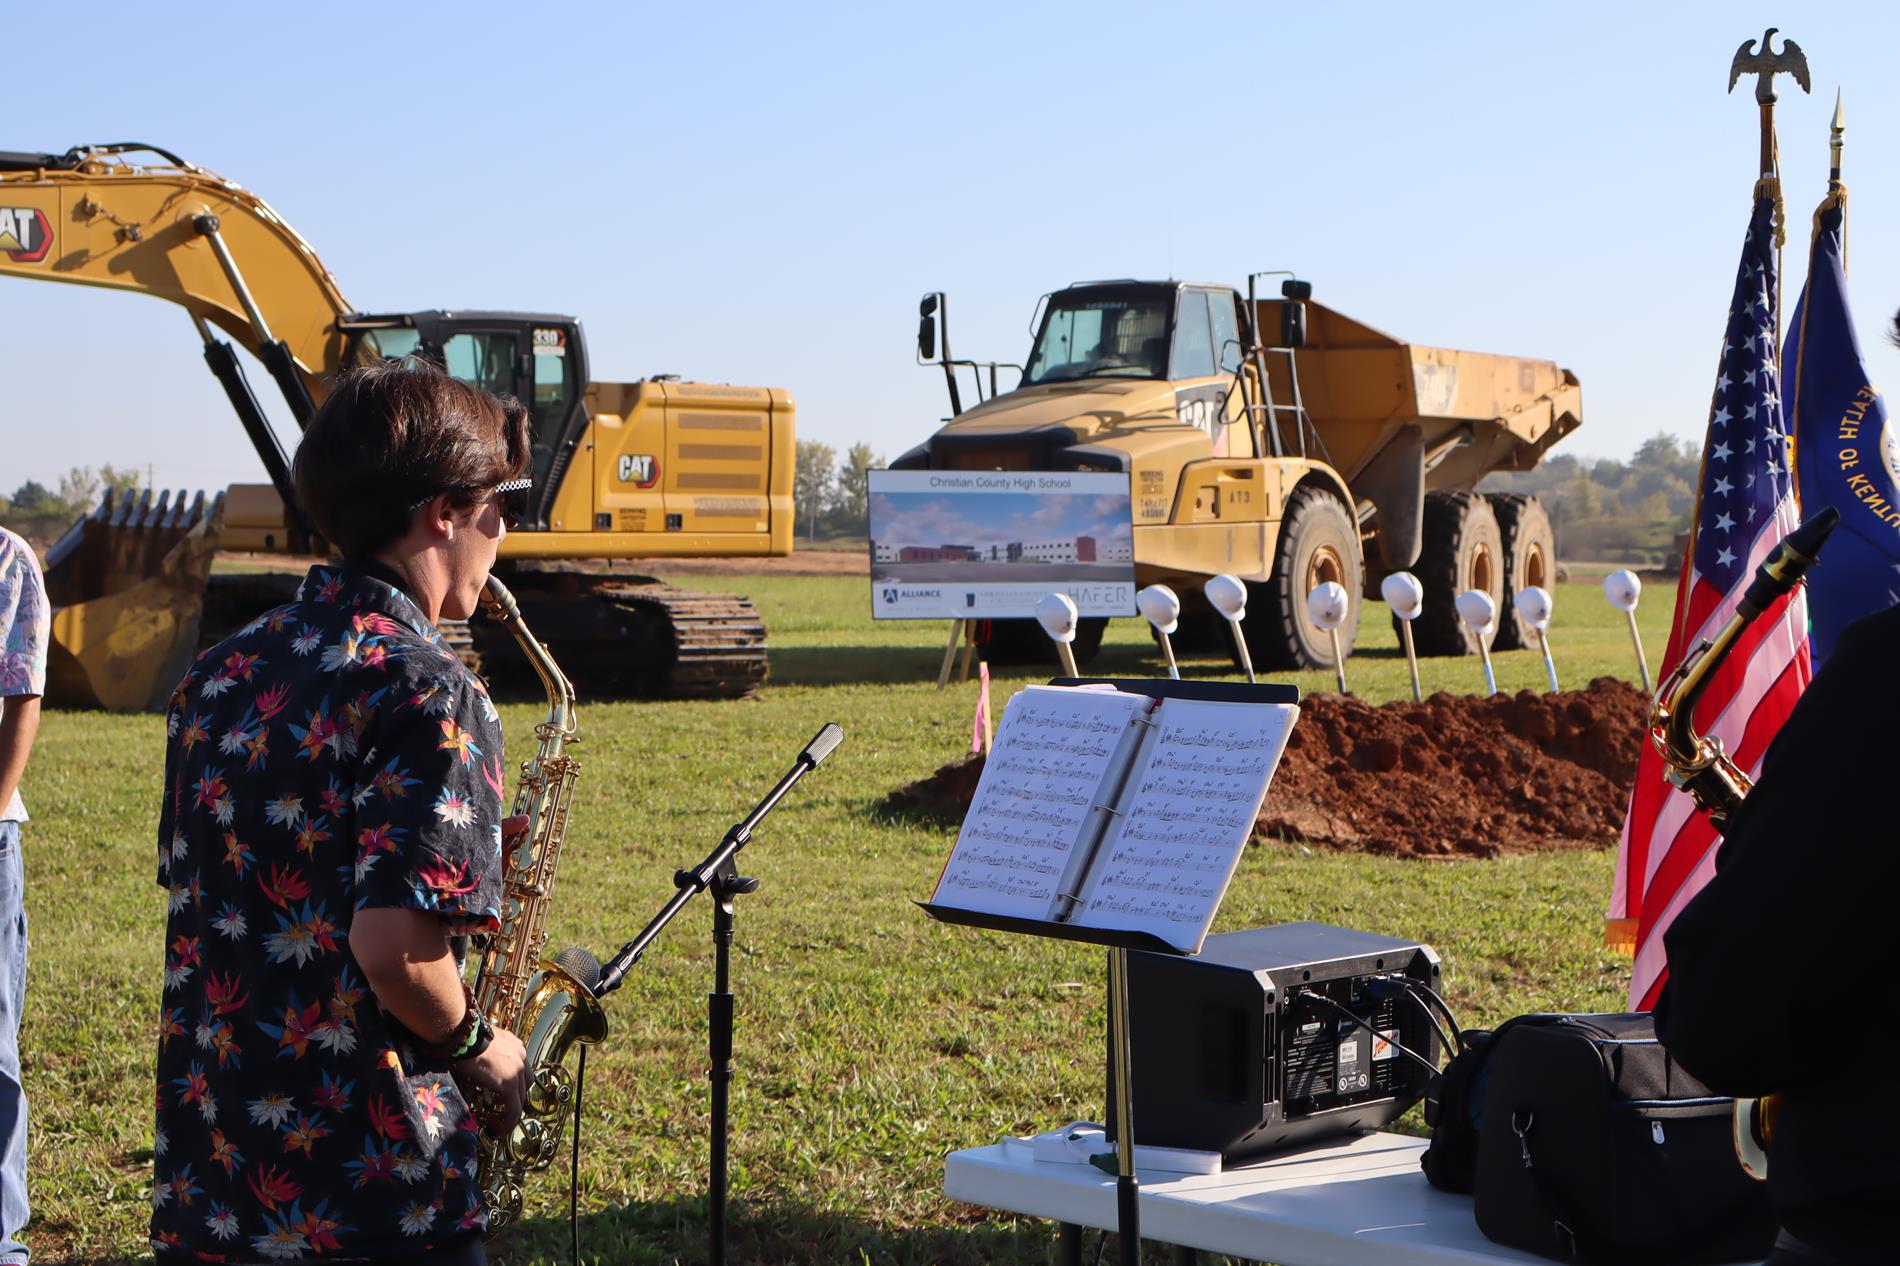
(1836, 134)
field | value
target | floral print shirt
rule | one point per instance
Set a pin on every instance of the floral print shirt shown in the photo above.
(331, 757)
(25, 622)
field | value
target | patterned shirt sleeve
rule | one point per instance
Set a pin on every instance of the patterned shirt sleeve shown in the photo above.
(25, 619)
(429, 811)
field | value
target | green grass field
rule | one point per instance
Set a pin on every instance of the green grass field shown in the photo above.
(870, 1042)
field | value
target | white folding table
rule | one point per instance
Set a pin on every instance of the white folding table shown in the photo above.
(1354, 1203)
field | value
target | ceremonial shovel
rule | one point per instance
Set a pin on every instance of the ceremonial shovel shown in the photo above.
(1163, 610)
(1406, 597)
(1623, 590)
(1328, 605)
(1056, 613)
(1229, 597)
(1534, 605)
(1477, 610)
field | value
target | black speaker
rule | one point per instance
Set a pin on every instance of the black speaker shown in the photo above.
(1277, 1037)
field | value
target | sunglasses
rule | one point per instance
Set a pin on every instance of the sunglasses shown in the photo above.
(510, 498)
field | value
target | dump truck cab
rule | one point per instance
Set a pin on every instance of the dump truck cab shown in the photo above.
(1108, 357)
(1117, 333)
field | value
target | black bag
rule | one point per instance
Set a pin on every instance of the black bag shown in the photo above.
(1454, 1108)
(1593, 1145)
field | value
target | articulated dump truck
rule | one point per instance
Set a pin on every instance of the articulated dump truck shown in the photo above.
(623, 472)
(1276, 440)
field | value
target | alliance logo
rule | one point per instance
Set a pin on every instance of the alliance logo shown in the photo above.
(890, 596)
(25, 235)
(642, 470)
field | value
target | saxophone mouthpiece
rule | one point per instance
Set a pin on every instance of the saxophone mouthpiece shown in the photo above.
(1783, 569)
(1807, 539)
(499, 602)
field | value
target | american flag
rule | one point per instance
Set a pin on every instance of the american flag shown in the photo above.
(1745, 504)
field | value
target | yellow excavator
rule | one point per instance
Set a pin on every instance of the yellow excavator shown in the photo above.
(622, 471)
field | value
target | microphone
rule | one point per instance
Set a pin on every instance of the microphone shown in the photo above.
(822, 745)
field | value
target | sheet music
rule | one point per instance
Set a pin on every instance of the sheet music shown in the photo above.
(1039, 787)
(1187, 811)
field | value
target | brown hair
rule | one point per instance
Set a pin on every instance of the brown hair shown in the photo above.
(1895, 333)
(394, 434)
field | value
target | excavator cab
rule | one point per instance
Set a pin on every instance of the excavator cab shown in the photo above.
(538, 358)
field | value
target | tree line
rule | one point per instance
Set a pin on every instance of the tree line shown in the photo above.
(1603, 509)
(41, 514)
(833, 494)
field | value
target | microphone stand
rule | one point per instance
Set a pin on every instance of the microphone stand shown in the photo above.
(718, 873)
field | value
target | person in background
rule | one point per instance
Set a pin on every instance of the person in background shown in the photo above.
(331, 823)
(24, 624)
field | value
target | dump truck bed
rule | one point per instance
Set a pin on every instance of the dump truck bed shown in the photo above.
(1474, 412)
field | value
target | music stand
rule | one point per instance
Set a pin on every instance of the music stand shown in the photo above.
(1127, 1185)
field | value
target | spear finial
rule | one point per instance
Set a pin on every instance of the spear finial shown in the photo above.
(1836, 130)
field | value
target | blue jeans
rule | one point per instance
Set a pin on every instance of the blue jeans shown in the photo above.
(13, 1208)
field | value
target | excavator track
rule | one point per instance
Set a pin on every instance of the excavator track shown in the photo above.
(718, 639)
(630, 637)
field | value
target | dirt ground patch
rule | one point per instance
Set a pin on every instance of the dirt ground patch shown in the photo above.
(1454, 776)
(822, 562)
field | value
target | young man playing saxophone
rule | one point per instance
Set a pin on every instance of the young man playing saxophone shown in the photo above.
(331, 820)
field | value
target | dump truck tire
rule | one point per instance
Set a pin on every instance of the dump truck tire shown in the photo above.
(1463, 549)
(1530, 558)
(1024, 642)
(1318, 542)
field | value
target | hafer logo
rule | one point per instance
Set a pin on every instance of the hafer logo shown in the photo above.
(25, 236)
(641, 470)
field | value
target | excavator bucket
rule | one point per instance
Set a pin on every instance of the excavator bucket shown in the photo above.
(127, 586)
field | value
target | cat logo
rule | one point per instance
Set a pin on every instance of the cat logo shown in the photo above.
(25, 236)
(641, 470)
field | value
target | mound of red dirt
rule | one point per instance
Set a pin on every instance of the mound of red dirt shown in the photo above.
(1456, 775)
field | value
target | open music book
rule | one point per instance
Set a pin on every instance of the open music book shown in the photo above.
(1113, 810)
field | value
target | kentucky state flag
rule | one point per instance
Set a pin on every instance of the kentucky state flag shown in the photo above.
(1845, 455)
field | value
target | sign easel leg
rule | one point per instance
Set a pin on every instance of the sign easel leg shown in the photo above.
(949, 654)
(1127, 1186)
(969, 648)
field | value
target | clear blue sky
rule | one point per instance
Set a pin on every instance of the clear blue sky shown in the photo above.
(760, 193)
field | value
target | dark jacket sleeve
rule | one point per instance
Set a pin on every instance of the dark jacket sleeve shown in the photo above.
(1770, 965)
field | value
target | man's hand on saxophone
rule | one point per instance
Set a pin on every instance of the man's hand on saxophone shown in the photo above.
(500, 1073)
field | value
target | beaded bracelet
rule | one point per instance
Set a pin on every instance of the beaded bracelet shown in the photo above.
(478, 1040)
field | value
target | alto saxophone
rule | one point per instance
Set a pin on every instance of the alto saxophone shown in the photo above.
(1698, 765)
(549, 1005)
